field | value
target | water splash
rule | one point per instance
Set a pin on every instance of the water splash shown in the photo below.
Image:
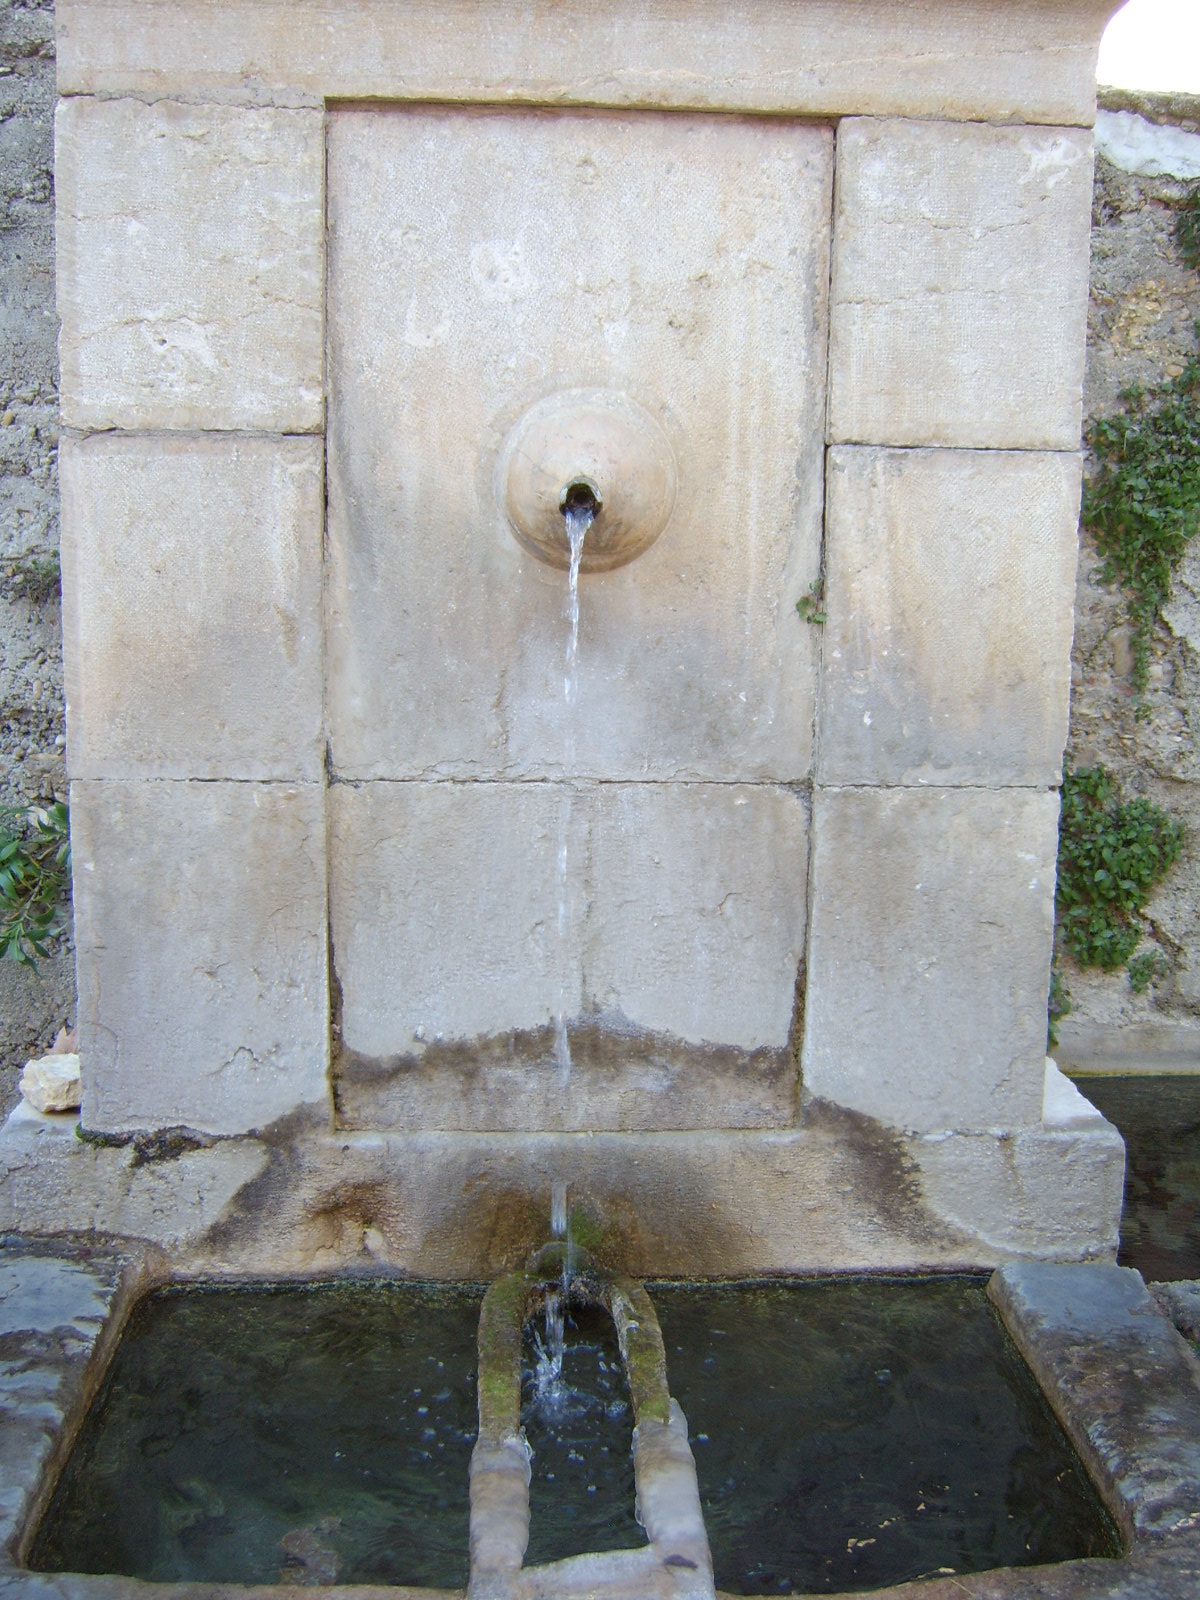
(549, 1347)
(552, 1392)
(578, 519)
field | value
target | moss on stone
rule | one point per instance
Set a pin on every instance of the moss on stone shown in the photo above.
(501, 1324)
(642, 1349)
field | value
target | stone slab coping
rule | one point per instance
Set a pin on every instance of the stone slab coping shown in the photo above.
(1120, 1379)
(972, 60)
(1091, 1049)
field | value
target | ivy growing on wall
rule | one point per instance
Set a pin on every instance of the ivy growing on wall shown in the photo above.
(1111, 855)
(1142, 502)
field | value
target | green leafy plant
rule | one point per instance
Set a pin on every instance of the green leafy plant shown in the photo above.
(1060, 1004)
(1144, 969)
(1187, 226)
(1111, 854)
(34, 576)
(1142, 502)
(35, 870)
(811, 607)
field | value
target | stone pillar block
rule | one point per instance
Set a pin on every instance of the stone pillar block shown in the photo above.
(201, 930)
(669, 941)
(192, 606)
(949, 587)
(960, 280)
(191, 248)
(929, 954)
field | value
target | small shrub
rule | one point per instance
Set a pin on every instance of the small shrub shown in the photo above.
(811, 607)
(32, 576)
(1111, 854)
(1144, 969)
(35, 870)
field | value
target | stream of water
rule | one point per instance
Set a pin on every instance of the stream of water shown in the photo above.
(552, 1394)
(578, 519)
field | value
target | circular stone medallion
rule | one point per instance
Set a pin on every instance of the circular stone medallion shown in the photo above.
(587, 446)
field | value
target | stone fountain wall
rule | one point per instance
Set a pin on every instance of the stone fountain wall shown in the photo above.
(315, 740)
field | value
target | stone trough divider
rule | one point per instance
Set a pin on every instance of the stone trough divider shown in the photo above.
(676, 1563)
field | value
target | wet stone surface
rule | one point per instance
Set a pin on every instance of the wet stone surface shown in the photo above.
(52, 1311)
(1124, 1384)
(1181, 1302)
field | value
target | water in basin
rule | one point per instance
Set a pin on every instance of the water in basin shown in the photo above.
(581, 1431)
(847, 1433)
(853, 1433)
(1159, 1119)
(258, 1435)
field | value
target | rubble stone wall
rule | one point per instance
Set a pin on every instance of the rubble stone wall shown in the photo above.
(33, 1004)
(1145, 304)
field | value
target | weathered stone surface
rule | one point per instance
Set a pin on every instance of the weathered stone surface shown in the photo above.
(1121, 1381)
(200, 918)
(1064, 1105)
(673, 958)
(1047, 1192)
(190, 266)
(51, 1083)
(1159, 1044)
(33, 1003)
(192, 610)
(949, 580)
(1028, 61)
(837, 1193)
(480, 261)
(52, 1182)
(1181, 1302)
(959, 294)
(929, 954)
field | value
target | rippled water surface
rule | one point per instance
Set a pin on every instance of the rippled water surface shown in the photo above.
(848, 1434)
(1159, 1118)
(581, 1431)
(855, 1433)
(258, 1435)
